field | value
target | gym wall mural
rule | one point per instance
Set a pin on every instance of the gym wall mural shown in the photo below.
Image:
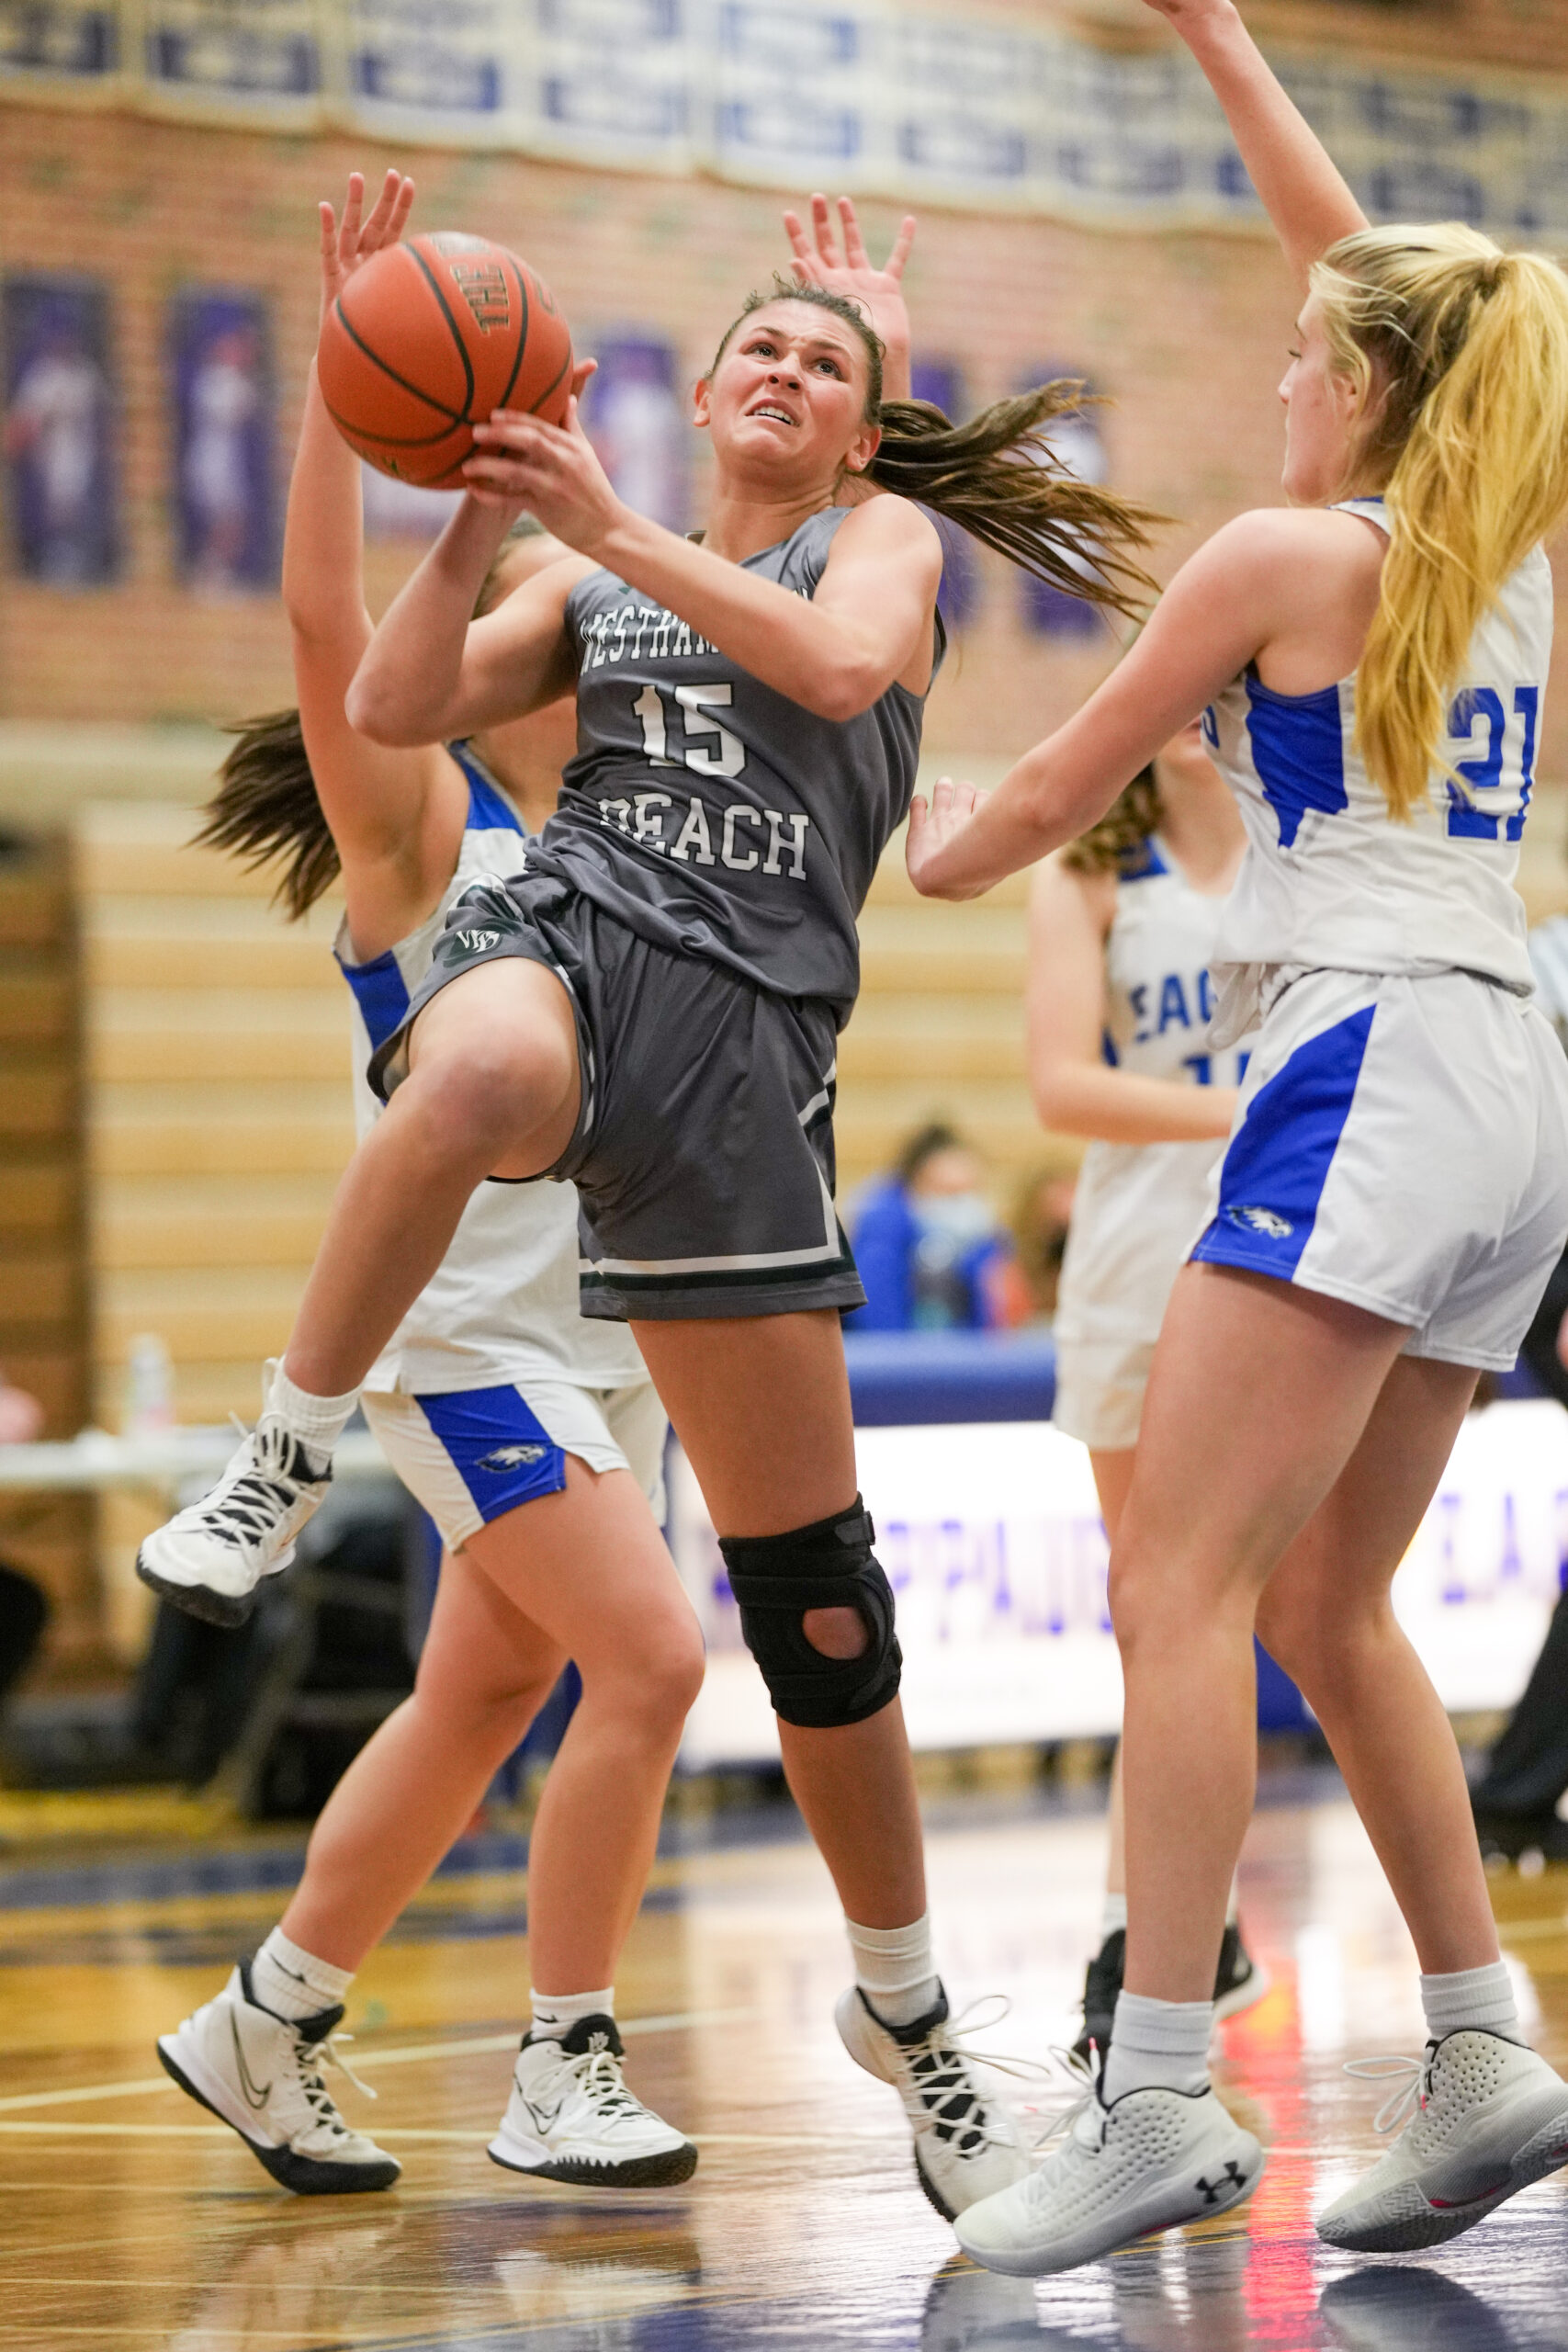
(946, 105)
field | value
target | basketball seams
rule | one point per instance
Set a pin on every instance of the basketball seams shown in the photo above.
(394, 440)
(442, 408)
(413, 251)
(555, 380)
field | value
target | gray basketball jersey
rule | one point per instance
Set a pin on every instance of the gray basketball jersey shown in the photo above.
(712, 815)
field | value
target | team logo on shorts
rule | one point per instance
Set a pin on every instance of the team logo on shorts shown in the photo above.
(522, 1456)
(1269, 1221)
(476, 943)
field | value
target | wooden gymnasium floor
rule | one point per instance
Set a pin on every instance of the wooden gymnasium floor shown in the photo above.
(127, 2219)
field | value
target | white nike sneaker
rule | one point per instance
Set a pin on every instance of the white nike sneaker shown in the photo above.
(209, 1559)
(262, 2075)
(1487, 2117)
(968, 2145)
(571, 2117)
(1152, 2160)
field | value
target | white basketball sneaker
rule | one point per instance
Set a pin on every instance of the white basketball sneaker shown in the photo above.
(571, 2117)
(1152, 2160)
(968, 2145)
(262, 2075)
(209, 1559)
(1487, 2117)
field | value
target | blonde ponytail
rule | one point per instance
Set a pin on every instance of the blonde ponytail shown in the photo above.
(1460, 351)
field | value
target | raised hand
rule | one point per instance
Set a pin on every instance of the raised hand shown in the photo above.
(848, 269)
(550, 471)
(1188, 14)
(347, 243)
(933, 832)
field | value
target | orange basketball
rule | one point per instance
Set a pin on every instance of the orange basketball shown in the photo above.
(426, 339)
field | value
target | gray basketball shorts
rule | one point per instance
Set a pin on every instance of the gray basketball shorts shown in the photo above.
(703, 1153)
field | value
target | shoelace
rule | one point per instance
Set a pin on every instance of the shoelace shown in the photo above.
(1083, 2093)
(942, 2084)
(1412, 2078)
(600, 2080)
(256, 1497)
(313, 2057)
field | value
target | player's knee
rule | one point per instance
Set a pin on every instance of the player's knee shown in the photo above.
(816, 1613)
(837, 1632)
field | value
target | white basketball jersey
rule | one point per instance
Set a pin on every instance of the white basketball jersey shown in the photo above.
(1139, 1207)
(503, 1304)
(1330, 881)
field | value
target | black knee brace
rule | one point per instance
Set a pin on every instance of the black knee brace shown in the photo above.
(775, 1578)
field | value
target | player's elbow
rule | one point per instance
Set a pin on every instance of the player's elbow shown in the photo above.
(375, 711)
(843, 690)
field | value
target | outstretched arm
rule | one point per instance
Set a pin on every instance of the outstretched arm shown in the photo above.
(849, 270)
(390, 813)
(1228, 602)
(1074, 1091)
(1301, 192)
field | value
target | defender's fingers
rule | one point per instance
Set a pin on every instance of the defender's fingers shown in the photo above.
(822, 229)
(855, 243)
(894, 264)
(796, 235)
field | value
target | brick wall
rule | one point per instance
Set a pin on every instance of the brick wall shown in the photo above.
(1186, 333)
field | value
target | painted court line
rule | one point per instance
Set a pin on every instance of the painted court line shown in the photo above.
(478, 2045)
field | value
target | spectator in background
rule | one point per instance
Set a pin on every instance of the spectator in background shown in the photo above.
(1041, 1211)
(930, 1246)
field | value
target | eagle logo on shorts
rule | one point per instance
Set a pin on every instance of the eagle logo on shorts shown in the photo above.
(522, 1456)
(476, 943)
(1269, 1221)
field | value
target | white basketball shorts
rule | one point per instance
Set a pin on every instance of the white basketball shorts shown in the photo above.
(1100, 1391)
(473, 1454)
(1402, 1143)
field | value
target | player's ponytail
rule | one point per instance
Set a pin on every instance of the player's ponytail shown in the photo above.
(1001, 480)
(1461, 353)
(266, 809)
(998, 477)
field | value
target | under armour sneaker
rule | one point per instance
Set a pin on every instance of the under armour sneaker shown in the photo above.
(571, 2117)
(967, 2145)
(210, 1559)
(1486, 2117)
(1152, 2160)
(262, 2075)
(1239, 1980)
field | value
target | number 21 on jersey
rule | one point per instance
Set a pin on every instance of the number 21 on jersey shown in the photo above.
(1500, 773)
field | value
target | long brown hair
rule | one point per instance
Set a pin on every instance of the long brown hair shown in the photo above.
(266, 807)
(998, 477)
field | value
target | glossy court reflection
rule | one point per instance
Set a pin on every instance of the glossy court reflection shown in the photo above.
(126, 2220)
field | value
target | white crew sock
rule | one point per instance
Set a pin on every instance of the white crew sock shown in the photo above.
(895, 1970)
(1160, 2045)
(1478, 1997)
(555, 2014)
(316, 1421)
(294, 1983)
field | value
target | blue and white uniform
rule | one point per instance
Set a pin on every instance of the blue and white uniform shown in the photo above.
(493, 1377)
(1139, 1207)
(1402, 1141)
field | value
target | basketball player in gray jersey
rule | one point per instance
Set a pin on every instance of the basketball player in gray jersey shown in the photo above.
(651, 1007)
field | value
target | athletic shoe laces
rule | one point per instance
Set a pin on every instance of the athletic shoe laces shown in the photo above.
(248, 1502)
(942, 2086)
(602, 2084)
(1412, 2079)
(312, 2057)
